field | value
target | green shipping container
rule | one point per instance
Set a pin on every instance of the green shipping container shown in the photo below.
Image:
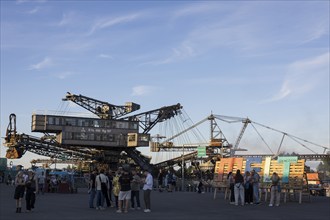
(3, 163)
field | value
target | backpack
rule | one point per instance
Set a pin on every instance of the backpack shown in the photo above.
(104, 186)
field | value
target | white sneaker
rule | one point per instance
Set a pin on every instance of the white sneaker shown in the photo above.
(147, 210)
(119, 211)
(97, 208)
(270, 205)
(277, 204)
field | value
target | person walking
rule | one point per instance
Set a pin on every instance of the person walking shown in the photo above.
(275, 190)
(31, 190)
(147, 188)
(19, 190)
(135, 185)
(239, 187)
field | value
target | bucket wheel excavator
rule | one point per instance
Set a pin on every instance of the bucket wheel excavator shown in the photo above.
(104, 138)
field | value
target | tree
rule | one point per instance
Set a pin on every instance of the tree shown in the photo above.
(324, 167)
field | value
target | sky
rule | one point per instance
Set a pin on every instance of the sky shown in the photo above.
(266, 60)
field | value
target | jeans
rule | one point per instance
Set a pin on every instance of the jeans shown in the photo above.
(146, 195)
(256, 192)
(30, 198)
(91, 198)
(232, 192)
(99, 198)
(239, 193)
(275, 193)
(136, 195)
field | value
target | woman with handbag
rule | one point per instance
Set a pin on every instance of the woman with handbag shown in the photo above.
(275, 190)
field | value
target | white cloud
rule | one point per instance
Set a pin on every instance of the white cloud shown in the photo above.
(63, 75)
(109, 22)
(33, 11)
(105, 56)
(180, 53)
(317, 32)
(303, 76)
(43, 64)
(66, 19)
(198, 8)
(18, 2)
(142, 90)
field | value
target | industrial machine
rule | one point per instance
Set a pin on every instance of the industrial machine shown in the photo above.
(102, 138)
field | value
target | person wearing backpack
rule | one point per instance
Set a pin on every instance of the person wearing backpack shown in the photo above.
(101, 181)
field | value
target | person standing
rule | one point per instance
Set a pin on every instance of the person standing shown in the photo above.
(135, 185)
(92, 189)
(31, 190)
(275, 190)
(41, 182)
(239, 187)
(110, 178)
(125, 191)
(19, 190)
(255, 179)
(100, 184)
(9, 180)
(248, 188)
(160, 179)
(147, 188)
(231, 183)
(170, 180)
(116, 187)
(105, 191)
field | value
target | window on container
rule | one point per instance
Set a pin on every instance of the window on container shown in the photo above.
(57, 121)
(91, 137)
(107, 124)
(69, 135)
(51, 120)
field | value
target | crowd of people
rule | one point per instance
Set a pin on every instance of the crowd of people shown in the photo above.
(120, 189)
(245, 188)
(166, 180)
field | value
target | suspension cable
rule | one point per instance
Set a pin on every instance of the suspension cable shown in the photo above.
(293, 138)
(318, 145)
(262, 139)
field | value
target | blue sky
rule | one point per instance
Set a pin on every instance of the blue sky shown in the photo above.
(268, 61)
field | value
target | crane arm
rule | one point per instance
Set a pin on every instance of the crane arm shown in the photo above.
(246, 123)
(102, 109)
(147, 120)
